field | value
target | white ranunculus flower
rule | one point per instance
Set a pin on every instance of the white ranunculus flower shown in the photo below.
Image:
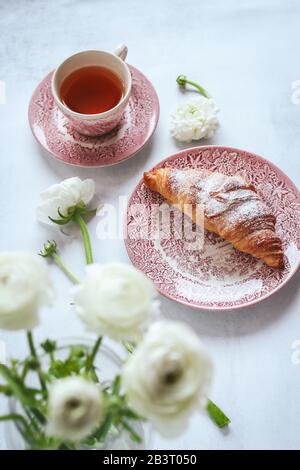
(195, 119)
(168, 375)
(75, 408)
(24, 287)
(115, 299)
(69, 193)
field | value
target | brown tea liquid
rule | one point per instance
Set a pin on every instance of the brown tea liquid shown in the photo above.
(91, 90)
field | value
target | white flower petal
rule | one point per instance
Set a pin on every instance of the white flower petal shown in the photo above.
(69, 193)
(24, 287)
(115, 299)
(168, 376)
(195, 119)
(75, 408)
(87, 190)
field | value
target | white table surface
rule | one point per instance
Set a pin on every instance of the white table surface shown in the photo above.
(246, 53)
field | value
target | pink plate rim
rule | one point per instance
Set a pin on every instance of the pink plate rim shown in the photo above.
(221, 148)
(57, 158)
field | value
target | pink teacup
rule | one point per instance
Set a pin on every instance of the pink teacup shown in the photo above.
(101, 123)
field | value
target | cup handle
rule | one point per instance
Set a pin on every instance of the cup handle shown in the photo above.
(121, 51)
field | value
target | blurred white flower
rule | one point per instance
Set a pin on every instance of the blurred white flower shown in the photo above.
(63, 196)
(24, 287)
(75, 408)
(168, 376)
(115, 299)
(195, 119)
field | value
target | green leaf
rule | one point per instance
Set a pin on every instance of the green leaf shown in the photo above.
(49, 249)
(89, 212)
(38, 415)
(21, 392)
(101, 433)
(129, 346)
(33, 363)
(130, 414)
(77, 352)
(14, 365)
(60, 221)
(34, 422)
(92, 355)
(14, 417)
(79, 208)
(74, 364)
(116, 385)
(5, 389)
(217, 415)
(22, 425)
(63, 216)
(91, 375)
(48, 346)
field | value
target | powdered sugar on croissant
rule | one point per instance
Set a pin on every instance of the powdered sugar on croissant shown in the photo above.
(232, 208)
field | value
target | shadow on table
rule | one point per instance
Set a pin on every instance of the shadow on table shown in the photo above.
(237, 322)
(105, 176)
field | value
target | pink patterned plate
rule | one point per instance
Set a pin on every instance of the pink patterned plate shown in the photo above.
(216, 277)
(52, 130)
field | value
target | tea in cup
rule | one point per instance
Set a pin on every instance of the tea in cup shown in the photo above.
(92, 89)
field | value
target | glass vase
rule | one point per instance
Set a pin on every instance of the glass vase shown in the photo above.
(108, 364)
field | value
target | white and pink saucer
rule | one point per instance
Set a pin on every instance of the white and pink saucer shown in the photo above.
(55, 133)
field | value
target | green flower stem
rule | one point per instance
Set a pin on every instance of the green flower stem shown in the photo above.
(24, 372)
(13, 417)
(182, 81)
(134, 435)
(73, 278)
(91, 357)
(86, 238)
(217, 415)
(130, 347)
(50, 251)
(199, 88)
(5, 389)
(24, 426)
(34, 354)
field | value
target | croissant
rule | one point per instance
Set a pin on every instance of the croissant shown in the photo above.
(232, 208)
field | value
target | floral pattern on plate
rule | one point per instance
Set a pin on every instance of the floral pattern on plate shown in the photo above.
(56, 134)
(216, 276)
